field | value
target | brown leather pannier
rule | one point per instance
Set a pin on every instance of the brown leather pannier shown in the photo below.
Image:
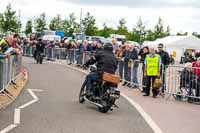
(111, 78)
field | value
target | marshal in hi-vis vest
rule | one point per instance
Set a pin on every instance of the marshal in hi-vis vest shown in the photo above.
(152, 64)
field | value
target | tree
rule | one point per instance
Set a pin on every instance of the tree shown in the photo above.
(89, 24)
(150, 35)
(138, 32)
(56, 23)
(196, 34)
(106, 31)
(29, 27)
(9, 21)
(122, 29)
(159, 29)
(70, 26)
(40, 23)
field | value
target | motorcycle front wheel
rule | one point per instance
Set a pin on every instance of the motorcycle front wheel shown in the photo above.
(81, 94)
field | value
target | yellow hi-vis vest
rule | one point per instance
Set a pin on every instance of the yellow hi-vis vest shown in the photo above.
(152, 64)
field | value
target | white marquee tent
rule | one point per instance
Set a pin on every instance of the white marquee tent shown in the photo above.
(177, 44)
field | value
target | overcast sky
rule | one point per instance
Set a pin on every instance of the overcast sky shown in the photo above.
(181, 15)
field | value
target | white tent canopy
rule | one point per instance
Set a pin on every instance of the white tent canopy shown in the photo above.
(177, 41)
(177, 44)
(51, 37)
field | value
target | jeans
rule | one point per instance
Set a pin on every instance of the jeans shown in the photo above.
(90, 79)
(134, 74)
(126, 73)
(121, 68)
(79, 57)
(70, 55)
(50, 53)
(194, 84)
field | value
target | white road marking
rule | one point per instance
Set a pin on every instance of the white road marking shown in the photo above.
(147, 118)
(18, 111)
(37, 90)
(27, 104)
(7, 129)
(17, 116)
(33, 94)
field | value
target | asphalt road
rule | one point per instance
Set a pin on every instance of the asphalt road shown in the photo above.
(58, 109)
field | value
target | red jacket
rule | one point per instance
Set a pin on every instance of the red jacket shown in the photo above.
(196, 70)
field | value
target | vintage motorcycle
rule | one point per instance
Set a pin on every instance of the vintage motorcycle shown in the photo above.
(104, 92)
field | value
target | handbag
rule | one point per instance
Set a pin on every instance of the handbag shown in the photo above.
(157, 83)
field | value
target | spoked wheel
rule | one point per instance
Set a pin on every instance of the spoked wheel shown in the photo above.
(81, 94)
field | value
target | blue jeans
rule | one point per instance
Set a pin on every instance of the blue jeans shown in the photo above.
(121, 68)
(90, 79)
(70, 55)
(134, 74)
(79, 57)
(126, 71)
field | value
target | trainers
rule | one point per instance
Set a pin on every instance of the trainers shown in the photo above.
(124, 84)
(145, 95)
(154, 96)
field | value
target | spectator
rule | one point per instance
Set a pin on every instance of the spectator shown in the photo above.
(71, 52)
(50, 46)
(57, 44)
(196, 66)
(134, 57)
(143, 53)
(115, 45)
(195, 82)
(15, 41)
(152, 71)
(94, 46)
(126, 57)
(85, 45)
(4, 45)
(67, 44)
(186, 75)
(119, 55)
(79, 52)
(165, 61)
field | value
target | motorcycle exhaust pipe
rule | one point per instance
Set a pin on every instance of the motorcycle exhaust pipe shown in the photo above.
(99, 105)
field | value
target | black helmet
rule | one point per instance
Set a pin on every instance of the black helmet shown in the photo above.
(40, 39)
(108, 46)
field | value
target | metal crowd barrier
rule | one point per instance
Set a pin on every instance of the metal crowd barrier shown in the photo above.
(28, 50)
(10, 69)
(182, 82)
(72, 56)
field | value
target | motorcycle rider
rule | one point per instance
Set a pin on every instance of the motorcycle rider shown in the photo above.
(105, 62)
(39, 47)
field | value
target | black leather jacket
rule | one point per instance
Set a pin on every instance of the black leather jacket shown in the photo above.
(105, 61)
(40, 47)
